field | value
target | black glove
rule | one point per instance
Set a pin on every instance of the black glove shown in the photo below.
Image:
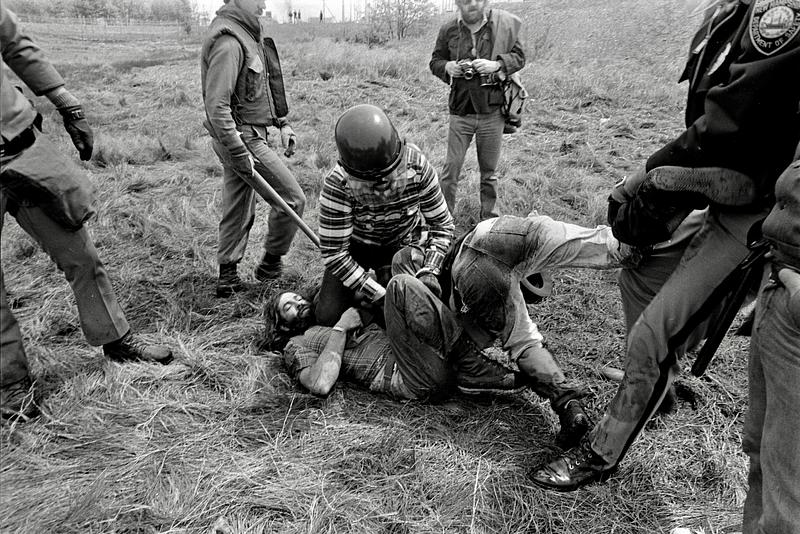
(79, 130)
(431, 282)
(242, 162)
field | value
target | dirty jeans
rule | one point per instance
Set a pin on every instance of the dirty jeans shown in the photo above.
(771, 436)
(239, 200)
(101, 316)
(657, 338)
(422, 331)
(487, 129)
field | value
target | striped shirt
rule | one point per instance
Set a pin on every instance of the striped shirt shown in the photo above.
(342, 218)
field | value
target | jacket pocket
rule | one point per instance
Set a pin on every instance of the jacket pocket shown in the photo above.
(254, 79)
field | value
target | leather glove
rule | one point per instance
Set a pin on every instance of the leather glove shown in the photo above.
(288, 140)
(79, 130)
(431, 282)
(625, 189)
(242, 162)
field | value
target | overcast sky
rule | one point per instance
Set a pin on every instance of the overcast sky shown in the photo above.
(308, 8)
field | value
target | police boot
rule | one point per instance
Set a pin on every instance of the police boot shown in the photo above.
(228, 282)
(132, 348)
(270, 268)
(18, 401)
(574, 423)
(477, 374)
(575, 468)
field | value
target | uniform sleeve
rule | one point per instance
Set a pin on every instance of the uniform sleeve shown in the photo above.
(25, 58)
(440, 56)
(749, 124)
(335, 229)
(440, 223)
(225, 61)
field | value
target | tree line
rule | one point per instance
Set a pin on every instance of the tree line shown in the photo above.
(122, 10)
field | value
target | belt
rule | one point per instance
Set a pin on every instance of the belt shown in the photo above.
(19, 143)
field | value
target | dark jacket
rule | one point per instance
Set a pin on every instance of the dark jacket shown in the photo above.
(782, 226)
(241, 76)
(502, 44)
(743, 109)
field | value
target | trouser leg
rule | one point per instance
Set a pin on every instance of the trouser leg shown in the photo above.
(280, 226)
(13, 362)
(659, 335)
(488, 145)
(772, 428)
(101, 316)
(459, 136)
(422, 332)
(238, 211)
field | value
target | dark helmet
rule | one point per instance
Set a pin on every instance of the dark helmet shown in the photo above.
(369, 145)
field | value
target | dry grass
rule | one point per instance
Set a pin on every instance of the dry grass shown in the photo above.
(223, 432)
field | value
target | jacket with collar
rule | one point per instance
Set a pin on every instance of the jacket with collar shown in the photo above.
(504, 28)
(241, 76)
(743, 106)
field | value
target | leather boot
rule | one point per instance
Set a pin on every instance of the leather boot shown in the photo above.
(132, 348)
(575, 468)
(574, 423)
(229, 281)
(477, 374)
(270, 268)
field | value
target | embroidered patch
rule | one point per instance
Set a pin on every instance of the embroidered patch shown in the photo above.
(773, 23)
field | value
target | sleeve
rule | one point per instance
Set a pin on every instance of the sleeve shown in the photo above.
(437, 217)
(225, 61)
(335, 229)
(562, 245)
(440, 56)
(298, 355)
(25, 58)
(514, 60)
(750, 123)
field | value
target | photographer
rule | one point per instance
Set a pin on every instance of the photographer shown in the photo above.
(474, 52)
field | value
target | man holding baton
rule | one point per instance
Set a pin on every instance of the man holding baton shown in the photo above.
(243, 94)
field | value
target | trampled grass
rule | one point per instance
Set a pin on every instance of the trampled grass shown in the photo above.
(223, 437)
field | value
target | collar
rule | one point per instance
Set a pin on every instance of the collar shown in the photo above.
(479, 26)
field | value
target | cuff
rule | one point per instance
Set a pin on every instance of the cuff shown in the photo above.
(433, 261)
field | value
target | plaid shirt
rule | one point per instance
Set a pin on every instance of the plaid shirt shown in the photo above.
(363, 359)
(342, 218)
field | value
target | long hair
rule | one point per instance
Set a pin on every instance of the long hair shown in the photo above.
(276, 332)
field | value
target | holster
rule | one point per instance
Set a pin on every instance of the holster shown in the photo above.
(42, 176)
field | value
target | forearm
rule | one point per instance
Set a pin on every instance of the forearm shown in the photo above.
(320, 378)
(563, 245)
(439, 58)
(514, 60)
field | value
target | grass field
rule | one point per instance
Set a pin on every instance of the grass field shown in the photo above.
(223, 435)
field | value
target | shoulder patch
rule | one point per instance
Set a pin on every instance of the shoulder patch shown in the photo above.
(773, 24)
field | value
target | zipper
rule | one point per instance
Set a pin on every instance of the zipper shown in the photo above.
(709, 33)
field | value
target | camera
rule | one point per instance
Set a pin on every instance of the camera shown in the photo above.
(467, 69)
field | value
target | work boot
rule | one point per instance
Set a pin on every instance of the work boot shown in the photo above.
(477, 374)
(18, 402)
(575, 468)
(132, 348)
(228, 282)
(270, 268)
(574, 424)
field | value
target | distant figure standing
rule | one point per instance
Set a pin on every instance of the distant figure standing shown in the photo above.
(291, 17)
(240, 103)
(296, 18)
(320, 16)
(474, 52)
(299, 18)
(50, 198)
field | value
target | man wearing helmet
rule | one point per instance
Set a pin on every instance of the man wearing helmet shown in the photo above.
(491, 273)
(375, 201)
